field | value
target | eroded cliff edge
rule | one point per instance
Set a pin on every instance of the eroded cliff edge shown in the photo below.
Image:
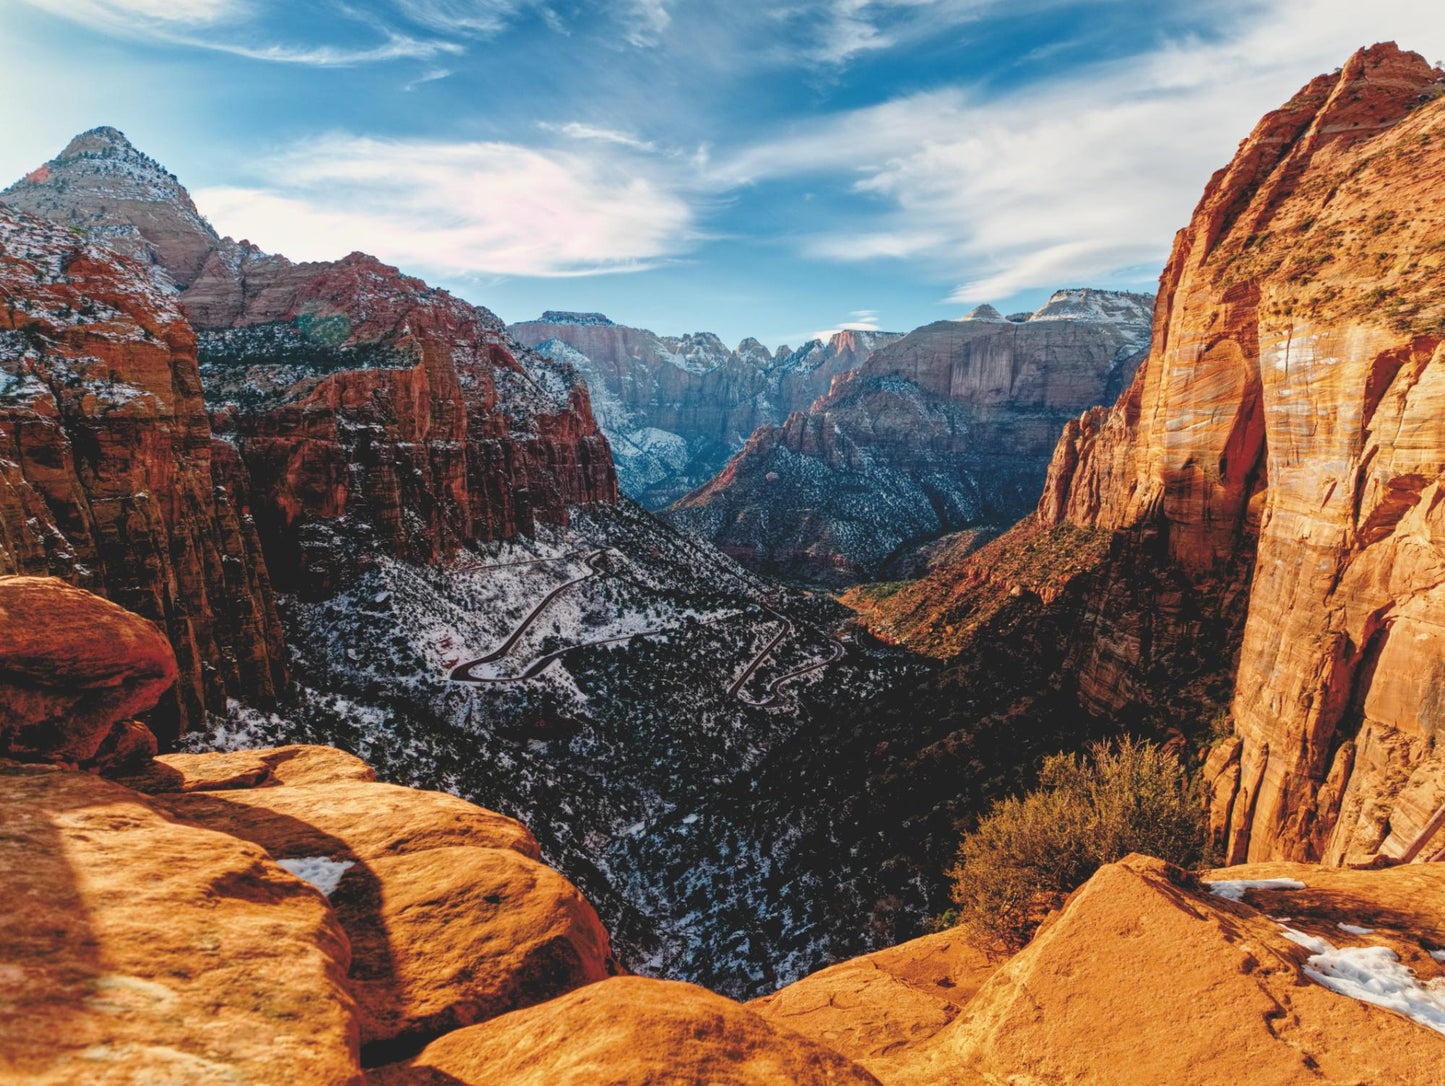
(1293, 408)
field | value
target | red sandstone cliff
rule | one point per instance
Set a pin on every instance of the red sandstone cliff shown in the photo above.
(368, 409)
(106, 463)
(356, 409)
(371, 408)
(949, 427)
(1295, 396)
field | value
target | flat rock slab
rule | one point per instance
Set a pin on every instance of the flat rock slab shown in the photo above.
(263, 767)
(350, 820)
(139, 952)
(625, 1032)
(873, 1005)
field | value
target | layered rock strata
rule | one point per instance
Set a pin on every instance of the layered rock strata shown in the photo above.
(108, 466)
(1290, 411)
(950, 427)
(676, 408)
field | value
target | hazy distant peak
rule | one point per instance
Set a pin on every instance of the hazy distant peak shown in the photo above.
(985, 313)
(1086, 303)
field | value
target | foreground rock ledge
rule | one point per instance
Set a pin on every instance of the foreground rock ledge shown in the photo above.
(624, 1032)
(139, 951)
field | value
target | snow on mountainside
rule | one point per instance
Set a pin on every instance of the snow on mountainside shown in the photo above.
(950, 427)
(708, 398)
(456, 593)
(625, 692)
(1127, 310)
(102, 184)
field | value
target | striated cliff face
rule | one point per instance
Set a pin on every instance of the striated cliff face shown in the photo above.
(1290, 414)
(108, 470)
(949, 427)
(371, 409)
(367, 408)
(675, 408)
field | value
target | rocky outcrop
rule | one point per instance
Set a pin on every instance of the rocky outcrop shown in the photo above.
(74, 670)
(950, 427)
(675, 408)
(1284, 440)
(870, 1008)
(503, 932)
(176, 927)
(106, 464)
(1148, 977)
(624, 1031)
(354, 412)
(1279, 973)
(138, 950)
(104, 188)
(363, 408)
(371, 410)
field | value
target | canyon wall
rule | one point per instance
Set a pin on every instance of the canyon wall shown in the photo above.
(1291, 410)
(186, 419)
(108, 467)
(947, 428)
(675, 408)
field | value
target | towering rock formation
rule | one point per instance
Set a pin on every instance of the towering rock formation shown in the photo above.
(951, 426)
(675, 408)
(1292, 415)
(108, 471)
(368, 408)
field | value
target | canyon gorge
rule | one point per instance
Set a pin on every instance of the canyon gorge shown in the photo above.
(392, 695)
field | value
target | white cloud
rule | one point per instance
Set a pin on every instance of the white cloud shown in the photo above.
(123, 14)
(579, 131)
(1077, 179)
(226, 26)
(857, 324)
(459, 208)
(473, 17)
(645, 21)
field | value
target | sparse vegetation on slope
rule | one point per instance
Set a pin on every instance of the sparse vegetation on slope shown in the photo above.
(1028, 854)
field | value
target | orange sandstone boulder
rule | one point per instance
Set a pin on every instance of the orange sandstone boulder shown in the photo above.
(625, 1032)
(295, 764)
(138, 952)
(451, 936)
(350, 820)
(1146, 977)
(73, 669)
(870, 1007)
(451, 918)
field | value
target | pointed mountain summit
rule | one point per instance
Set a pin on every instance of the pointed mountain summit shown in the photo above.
(984, 312)
(103, 183)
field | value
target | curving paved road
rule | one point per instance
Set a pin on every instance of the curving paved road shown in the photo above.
(776, 698)
(462, 672)
(477, 567)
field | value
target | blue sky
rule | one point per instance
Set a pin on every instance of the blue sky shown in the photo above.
(774, 168)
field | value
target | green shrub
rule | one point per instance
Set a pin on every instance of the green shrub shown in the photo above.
(1028, 854)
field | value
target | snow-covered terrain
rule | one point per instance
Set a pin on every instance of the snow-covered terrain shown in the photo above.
(671, 798)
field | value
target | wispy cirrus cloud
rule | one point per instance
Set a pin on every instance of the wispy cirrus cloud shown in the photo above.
(579, 131)
(644, 22)
(458, 209)
(232, 27)
(1074, 179)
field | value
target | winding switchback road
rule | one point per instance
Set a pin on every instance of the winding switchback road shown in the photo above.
(462, 672)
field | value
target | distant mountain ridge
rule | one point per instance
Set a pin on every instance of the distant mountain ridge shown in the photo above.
(675, 408)
(949, 427)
